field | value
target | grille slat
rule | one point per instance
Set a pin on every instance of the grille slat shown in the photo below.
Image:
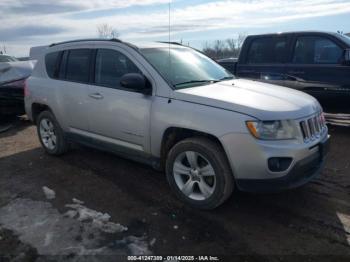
(313, 127)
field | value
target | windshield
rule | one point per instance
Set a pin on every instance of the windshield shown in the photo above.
(187, 67)
(6, 58)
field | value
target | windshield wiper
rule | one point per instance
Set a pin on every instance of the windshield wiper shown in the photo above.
(225, 78)
(196, 81)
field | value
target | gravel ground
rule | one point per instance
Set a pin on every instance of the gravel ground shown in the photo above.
(95, 204)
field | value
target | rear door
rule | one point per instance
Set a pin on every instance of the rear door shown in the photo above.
(317, 67)
(74, 75)
(264, 59)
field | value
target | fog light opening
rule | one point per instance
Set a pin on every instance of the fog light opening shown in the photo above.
(279, 164)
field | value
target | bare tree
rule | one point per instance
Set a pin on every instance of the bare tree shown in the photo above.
(231, 43)
(106, 31)
(240, 40)
(3, 50)
(219, 46)
(224, 48)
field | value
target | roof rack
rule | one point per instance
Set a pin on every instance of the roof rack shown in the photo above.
(88, 39)
(172, 43)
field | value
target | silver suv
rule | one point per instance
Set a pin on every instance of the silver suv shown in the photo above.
(174, 108)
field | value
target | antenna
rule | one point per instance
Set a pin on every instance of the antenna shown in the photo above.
(169, 21)
(169, 40)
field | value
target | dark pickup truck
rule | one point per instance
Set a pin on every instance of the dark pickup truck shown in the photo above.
(317, 63)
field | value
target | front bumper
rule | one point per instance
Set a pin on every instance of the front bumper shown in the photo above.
(11, 101)
(249, 164)
(303, 171)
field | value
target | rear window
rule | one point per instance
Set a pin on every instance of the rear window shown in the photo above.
(52, 64)
(78, 65)
(267, 50)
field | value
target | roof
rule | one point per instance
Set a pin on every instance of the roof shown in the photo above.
(296, 32)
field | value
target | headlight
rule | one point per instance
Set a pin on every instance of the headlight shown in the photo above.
(272, 130)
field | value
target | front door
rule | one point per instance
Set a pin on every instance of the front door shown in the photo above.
(317, 68)
(116, 115)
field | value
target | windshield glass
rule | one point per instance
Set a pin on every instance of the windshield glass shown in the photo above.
(187, 67)
(6, 58)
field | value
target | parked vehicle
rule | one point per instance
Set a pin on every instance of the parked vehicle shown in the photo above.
(317, 63)
(13, 74)
(209, 131)
(7, 58)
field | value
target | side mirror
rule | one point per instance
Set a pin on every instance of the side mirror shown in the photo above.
(347, 56)
(136, 82)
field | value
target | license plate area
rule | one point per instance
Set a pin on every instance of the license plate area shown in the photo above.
(324, 148)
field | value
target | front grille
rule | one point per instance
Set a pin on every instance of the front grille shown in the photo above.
(312, 128)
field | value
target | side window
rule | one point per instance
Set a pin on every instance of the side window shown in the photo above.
(51, 63)
(316, 50)
(267, 50)
(78, 65)
(110, 66)
(63, 65)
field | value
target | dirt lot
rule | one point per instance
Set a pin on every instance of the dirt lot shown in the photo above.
(101, 204)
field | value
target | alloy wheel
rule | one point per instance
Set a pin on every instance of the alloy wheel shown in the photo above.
(194, 175)
(47, 133)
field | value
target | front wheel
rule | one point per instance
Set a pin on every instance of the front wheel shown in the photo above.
(199, 173)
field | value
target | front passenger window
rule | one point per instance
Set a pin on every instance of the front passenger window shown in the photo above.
(111, 65)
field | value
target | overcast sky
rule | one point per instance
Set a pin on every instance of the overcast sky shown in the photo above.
(26, 23)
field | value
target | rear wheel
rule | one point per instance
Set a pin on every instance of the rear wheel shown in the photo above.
(199, 174)
(50, 134)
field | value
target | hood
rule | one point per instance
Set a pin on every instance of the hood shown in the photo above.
(260, 100)
(12, 71)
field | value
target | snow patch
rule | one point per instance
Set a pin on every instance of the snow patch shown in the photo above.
(98, 219)
(152, 242)
(77, 201)
(79, 231)
(135, 245)
(49, 193)
(71, 213)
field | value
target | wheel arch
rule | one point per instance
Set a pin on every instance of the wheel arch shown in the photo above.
(173, 135)
(38, 108)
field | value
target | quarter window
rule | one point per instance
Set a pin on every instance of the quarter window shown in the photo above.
(78, 65)
(52, 64)
(111, 65)
(267, 50)
(316, 50)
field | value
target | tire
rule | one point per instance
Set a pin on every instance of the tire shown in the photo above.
(206, 186)
(49, 129)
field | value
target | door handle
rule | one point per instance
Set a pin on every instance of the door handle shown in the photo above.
(296, 72)
(96, 96)
(247, 71)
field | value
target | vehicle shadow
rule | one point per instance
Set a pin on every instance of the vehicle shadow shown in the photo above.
(309, 222)
(11, 125)
(303, 221)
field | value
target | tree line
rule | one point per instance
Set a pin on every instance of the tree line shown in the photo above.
(227, 48)
(215, 49)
